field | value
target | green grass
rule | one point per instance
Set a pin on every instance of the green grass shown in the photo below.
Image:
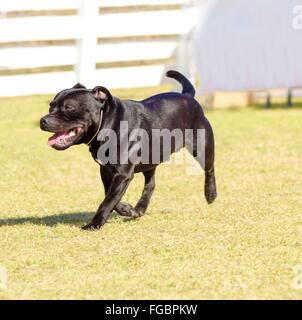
(243, 246)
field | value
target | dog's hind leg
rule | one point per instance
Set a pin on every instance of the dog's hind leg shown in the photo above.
(145, 198)
(204, 153)
(210, 189)
(127, 210)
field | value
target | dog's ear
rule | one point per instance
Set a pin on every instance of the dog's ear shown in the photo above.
(102, 94)
(78, 86)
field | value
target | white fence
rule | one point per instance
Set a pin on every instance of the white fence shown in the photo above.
(48, 45)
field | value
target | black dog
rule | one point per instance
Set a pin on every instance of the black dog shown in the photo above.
(79, 115)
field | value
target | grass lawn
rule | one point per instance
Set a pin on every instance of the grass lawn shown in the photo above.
(245, 245)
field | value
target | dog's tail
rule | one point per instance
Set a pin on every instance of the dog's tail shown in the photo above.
(187, 87)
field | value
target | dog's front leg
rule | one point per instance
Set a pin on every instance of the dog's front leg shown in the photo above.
(116, 190)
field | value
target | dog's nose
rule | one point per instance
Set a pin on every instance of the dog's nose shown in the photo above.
(43, 122)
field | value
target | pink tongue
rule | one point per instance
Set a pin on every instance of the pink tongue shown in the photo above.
(56, 137)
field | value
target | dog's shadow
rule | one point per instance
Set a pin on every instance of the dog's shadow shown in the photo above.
(74, 219)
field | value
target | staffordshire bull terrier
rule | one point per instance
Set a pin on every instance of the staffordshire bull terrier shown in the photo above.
(106, 124)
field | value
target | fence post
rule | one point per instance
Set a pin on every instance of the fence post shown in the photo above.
(289, 98)
(268, 102)
(87, 43)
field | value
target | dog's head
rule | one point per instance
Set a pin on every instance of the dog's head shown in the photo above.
(74, 115)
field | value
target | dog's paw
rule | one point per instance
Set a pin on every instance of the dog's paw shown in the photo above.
(210, 189)
(140, 210)
(125, 209)
(91, 226)
(211, 195)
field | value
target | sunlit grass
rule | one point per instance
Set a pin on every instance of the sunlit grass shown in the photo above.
(243, 246)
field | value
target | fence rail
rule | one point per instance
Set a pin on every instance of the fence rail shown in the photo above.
(35, 5)
(130, 43)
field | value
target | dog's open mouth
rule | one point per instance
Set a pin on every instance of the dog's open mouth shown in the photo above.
(65, 138)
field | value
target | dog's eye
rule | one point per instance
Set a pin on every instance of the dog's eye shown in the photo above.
(68, 107)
